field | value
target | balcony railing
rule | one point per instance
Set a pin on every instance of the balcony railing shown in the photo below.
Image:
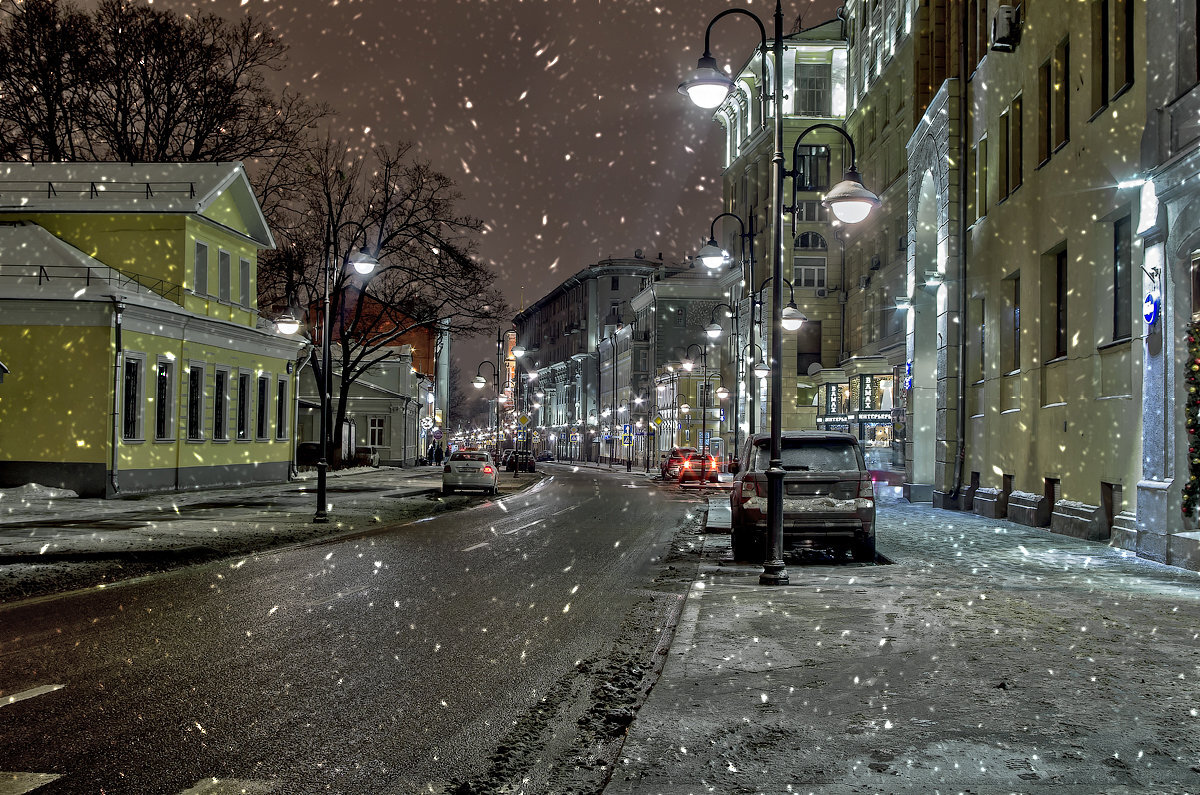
(86, 276)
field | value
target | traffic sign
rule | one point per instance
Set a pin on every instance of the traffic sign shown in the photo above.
(626, 439)
(523, 419)
(658, 419)
(437, 433)
(427, 423)
(574, 437)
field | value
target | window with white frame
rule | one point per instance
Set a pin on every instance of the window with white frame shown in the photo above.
(264, 411)
(375, 431)
(221, 404)
(243, 406)
(131, 397)
(808, 272)
(195, 402)
(814, 89)
(164, 400)
(224, 275)
(244, 283)
(201, 279)
(281, 412)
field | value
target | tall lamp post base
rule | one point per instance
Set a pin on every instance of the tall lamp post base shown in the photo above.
(321, 516)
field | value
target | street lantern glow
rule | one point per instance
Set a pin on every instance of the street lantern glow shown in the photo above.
(518, 351)
(792, 318)
(722, 392)
(287, 324)
(849, 200)
(712, 256)
(707, 86)
(363, 262)
(761, 369)
(713, 330)
(478, 382)
(687, 364)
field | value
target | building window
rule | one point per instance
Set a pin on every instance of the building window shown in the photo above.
(616, 283)
(811, 241)
(1060, 314)
(814, 89)
(977, 309)
(811, 212)
(281, 406)
(1045, 92)
(224, 275)
(221, 404)
(243, 406)
(1100, 55)
(1016, 150)
(1013, 321)
(201, 282)
(1003, 167)
(1122, 285)
(375, 427)
(195, 418)
(1122, 46)
(1196, 288)
(131, 399)
(1062, 93)
(808, 272)
(164, 399)
(981, 180)
(812, 167)
(264, 416)
(244, 279)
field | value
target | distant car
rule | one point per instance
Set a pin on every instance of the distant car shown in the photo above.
(699, 467)
(828, 497)
(471, 469)
(508, 451)
(545, 455)
(669, 468)
(520, 461)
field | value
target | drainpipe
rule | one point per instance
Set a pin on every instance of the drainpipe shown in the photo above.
(963, 151)
(118, 360)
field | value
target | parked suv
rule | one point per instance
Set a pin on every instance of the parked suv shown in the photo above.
(828, 497)
(673, 460)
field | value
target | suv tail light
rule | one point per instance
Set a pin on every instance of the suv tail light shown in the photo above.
(753, 487)
(446, 468)
(866, 490)
(488, 470)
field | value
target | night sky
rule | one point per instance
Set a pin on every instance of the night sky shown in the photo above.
(559, 119)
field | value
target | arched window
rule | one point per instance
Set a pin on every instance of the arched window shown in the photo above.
(811, 241)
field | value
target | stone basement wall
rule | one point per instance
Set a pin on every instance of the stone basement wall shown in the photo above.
(1029, 509)
(1079, 520)
(990, 503)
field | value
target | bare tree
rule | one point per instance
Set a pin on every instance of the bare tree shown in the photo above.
(136, 83)
(402, 212)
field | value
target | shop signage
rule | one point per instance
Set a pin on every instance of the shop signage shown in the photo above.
(857, 416)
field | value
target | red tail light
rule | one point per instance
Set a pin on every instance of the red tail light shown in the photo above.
(753, 487)
(488, 470)
(866, 490)
(687, 464)
(446, 468)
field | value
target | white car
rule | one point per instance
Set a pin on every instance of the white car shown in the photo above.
(470, 469)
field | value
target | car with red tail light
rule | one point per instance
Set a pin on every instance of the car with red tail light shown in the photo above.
(470, 469)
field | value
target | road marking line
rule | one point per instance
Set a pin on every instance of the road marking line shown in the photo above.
(339, 595)
(564, 510)
(531, 524)
(229, 786)
(474, 546)
(31, 693)
(20, 783)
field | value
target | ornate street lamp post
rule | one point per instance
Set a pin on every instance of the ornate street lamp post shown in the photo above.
(708, 87)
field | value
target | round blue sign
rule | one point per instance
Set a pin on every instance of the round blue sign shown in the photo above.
(1150, 308)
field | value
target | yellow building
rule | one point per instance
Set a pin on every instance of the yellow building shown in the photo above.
(129, 326)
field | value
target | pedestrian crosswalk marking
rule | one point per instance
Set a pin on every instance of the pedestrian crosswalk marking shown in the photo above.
(20, 783)
(229, 786)
(30, 693)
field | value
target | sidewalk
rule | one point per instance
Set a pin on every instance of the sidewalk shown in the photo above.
(988, 657)
(50, 544)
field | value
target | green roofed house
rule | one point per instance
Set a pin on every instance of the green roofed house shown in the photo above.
(137, 361)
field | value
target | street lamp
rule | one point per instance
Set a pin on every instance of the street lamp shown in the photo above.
(701, 394)
(479, 382)
(363, 263)
(714, 330)
(849, 200)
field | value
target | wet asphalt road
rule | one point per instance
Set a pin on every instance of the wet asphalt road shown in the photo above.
(390, 662)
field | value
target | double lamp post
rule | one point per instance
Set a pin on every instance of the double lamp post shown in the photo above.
(849, 201)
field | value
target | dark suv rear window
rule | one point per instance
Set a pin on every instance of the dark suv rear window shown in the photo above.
(811, 456)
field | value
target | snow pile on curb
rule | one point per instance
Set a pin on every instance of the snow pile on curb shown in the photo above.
(36, 491)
